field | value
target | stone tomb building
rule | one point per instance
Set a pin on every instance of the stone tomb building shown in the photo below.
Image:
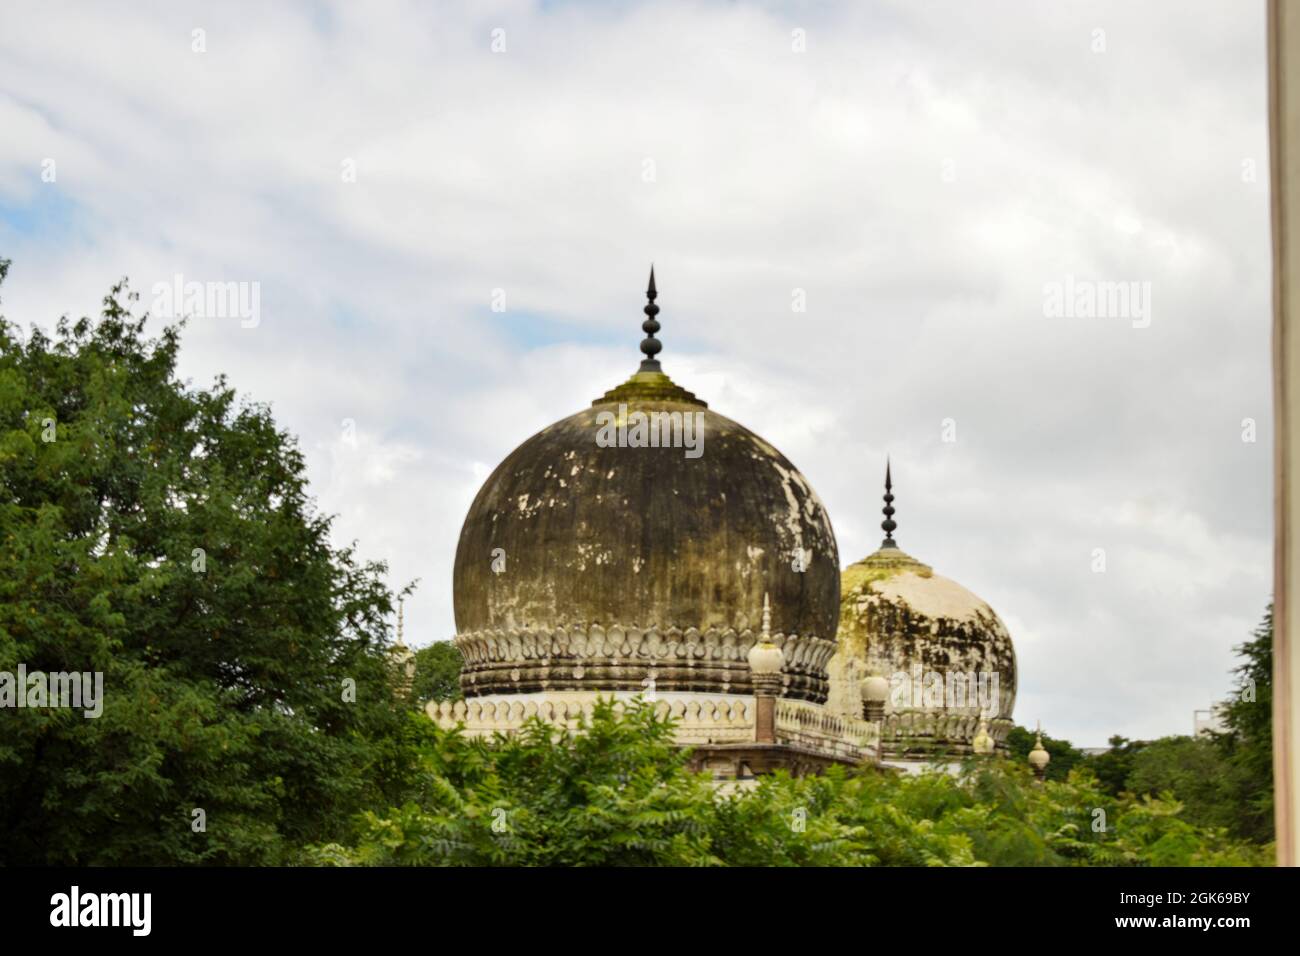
(650, 546)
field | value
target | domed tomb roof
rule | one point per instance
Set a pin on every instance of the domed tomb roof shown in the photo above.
(586, 562)
(947, 654)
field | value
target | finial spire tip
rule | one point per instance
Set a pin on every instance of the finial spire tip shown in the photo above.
(889, 524)
(650, 346)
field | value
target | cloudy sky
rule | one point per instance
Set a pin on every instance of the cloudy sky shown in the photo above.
(917, 175)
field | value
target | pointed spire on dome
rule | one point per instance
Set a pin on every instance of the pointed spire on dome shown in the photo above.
(767, 618)
(400, 607)
(649, 383)
(650, 345)
(888, 525)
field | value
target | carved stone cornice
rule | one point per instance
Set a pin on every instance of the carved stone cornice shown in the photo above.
(632, 658)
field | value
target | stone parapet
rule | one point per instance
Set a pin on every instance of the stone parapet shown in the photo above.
(918, 730)
(817, 728)
(702, 720)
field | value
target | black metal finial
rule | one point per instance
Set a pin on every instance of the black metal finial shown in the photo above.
(651, 345)
(888, 524)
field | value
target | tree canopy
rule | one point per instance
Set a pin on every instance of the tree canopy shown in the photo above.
(437, 672)
(162, 535)
(616, 792)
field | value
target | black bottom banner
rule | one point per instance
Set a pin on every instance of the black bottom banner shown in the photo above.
(332, 905)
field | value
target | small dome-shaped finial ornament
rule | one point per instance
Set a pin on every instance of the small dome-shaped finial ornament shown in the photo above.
(875, 692)
(650, 345)
(765, 658)
(888, 525)
(1039, 757)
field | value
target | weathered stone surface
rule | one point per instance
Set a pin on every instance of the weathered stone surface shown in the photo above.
(899, 617)
(622, 564)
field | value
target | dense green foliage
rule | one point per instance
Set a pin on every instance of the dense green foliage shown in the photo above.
(619, 793)
(1114, 766)
(1247, 746)
(437, 672)
(1193, 771)
(162, 535)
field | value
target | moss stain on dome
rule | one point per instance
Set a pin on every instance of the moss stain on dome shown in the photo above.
(856, 587)
(896, 616)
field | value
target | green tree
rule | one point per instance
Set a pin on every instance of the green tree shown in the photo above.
(437, 672)
(1113, 767)
(1191, 770)
(162, 535)
(615, 791)
(1247, 744)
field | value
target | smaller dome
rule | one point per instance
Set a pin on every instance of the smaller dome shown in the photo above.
(947, 655)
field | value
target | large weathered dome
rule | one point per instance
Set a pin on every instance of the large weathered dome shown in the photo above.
(589, 565)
